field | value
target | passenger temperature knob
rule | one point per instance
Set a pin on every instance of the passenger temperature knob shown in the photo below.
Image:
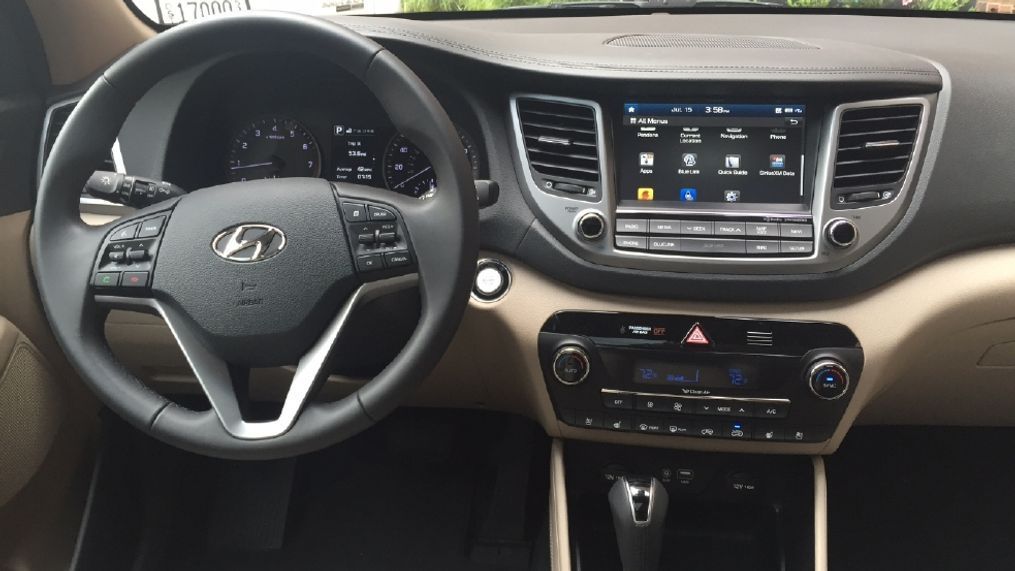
(828, 379)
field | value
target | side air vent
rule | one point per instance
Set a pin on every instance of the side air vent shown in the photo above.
(708, 42)
(56, 119)
(561, 143)
(874, 153)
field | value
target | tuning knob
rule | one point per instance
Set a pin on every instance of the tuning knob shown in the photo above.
(570, 365)
(828, 379)
(841, 232)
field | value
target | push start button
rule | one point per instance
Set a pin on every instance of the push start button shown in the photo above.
(492, 280)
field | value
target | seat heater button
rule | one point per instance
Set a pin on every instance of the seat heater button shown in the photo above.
(378, 213)
(135, 279)
(354, 212)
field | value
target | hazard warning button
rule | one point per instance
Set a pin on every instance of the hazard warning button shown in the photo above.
(696, 336)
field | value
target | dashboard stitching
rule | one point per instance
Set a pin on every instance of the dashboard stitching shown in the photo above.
(686, 69)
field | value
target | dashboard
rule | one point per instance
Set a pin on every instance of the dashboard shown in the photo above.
(766, 178)
(260, 117)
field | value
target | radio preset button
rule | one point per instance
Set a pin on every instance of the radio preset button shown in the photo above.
(631, 242)
(671, 227)
(632, 226)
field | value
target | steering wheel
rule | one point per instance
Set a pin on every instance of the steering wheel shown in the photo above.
(255, 274)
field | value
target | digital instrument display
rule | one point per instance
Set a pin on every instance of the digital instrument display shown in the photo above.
(678, 155)
(661, 373)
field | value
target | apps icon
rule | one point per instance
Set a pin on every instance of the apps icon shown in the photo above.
(777, 161)
(688, 194)
(646, 159)
(690, 159)
(646, 193)
(732, 161)
(731, 195)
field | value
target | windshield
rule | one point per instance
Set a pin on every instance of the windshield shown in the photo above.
(169, 12)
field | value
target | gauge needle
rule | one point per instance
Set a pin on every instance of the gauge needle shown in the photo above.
(253, 166)
(414, 176)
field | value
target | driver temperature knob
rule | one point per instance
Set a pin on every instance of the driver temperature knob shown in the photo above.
(828, 379)
(570, 365)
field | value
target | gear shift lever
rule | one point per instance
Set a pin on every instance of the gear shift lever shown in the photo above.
(639, 514)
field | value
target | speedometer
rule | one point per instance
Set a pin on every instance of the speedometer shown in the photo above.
(408, 171)
(273, 147)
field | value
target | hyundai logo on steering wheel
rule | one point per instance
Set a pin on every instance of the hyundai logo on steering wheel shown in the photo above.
(248, 243)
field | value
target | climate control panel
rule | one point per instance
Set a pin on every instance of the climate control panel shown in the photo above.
(700, 376)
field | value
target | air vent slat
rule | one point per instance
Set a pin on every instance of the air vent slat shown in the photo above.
(875, 146)
(560, 139)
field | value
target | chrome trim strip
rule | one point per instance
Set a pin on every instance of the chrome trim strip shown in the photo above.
(695, 397)
(559, 213)
(213, 374)
(560, 538)
(820, 514)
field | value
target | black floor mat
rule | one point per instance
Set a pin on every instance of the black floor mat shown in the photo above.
(407, 494)
(932, 499)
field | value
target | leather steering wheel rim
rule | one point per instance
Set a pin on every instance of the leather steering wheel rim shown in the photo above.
(444, 229)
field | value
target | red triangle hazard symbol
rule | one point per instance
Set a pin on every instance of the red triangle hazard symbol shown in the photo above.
(696, 336)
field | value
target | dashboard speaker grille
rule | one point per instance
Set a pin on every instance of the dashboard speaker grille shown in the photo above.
(560, 138)
(706, 41)
(875, 146)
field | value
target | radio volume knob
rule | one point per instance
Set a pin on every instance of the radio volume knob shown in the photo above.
(828, 379)
(591, 225)
(841, 232)
(570, 365)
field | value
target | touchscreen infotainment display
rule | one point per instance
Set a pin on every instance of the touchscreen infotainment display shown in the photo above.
(695, 155)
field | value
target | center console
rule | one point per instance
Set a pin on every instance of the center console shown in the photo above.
(793, 185)
(700, 377)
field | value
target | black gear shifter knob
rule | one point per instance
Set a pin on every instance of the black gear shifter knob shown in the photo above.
(639, 514)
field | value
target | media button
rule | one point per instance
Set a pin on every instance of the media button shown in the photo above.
(664, 227)
(631, 242)
(729, 229)
(763, 247)
(695, 228)
(763, 229)
(664, 244)
(632, 225)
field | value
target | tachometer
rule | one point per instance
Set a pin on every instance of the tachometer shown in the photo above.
(408, 171)
(273, 147)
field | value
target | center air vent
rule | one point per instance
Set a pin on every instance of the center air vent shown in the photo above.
(874, 153)
(561, 143)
